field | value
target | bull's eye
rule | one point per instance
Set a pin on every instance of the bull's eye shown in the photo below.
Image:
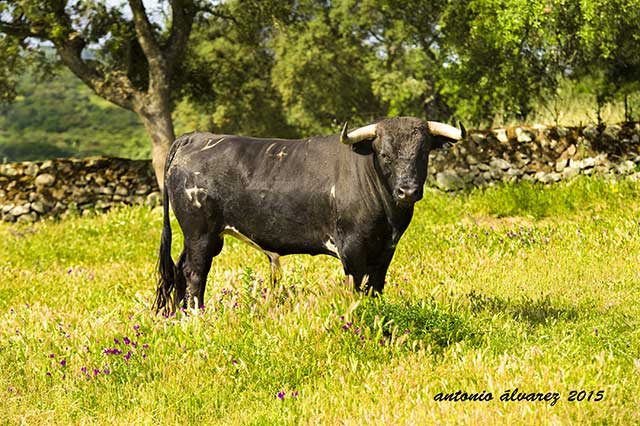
(384, 158)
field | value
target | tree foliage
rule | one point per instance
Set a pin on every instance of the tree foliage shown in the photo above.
(292, 68)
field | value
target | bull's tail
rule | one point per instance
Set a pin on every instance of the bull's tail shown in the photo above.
(167, 272)
(166, 268)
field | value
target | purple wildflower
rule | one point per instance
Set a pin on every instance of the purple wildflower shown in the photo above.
(63, 362)
(84, 369)
(281, 395)
(145, 346)
(126, 341)
(127, 356)
(234, 361)
(95, 372)
(136, 327)
(49, 373)
(106, 371)
(294, 394)
(52, 355)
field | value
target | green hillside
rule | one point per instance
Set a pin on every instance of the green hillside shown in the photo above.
(63, 118)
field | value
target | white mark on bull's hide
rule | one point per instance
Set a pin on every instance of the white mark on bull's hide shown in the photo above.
(333, 191)
(210, 144)
(274, 258)
(192, 195)
(268, 151)
(282, 153)
(331, 247)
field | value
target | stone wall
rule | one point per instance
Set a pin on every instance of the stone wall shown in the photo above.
(31, 190)
(539, 153)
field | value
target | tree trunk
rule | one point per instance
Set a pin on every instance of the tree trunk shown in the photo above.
(159, 125)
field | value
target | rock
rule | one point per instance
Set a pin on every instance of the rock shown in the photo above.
(38, 207)
(46, 165)
(19, 210)
(31, 169)
(478, 138)
(591, 132)
(105, 190)
(514, 172)
(570, 151)
(58, 193)
(448, 180)
(626, 167)
(610, 133)
(7, 208)
(561, 164)
(121, 190)
(45, 179)
(523, 159)
(550, 177)
(588, 163)
(484, 167)
(27, 218)
(523, 135)
(142, 189)
(501, 135)
(570, 172)
(471, 160)
(8, 170)
(562, 132)
(500, 163)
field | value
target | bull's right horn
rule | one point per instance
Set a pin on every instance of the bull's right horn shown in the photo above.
(358, 135)
(441, 129)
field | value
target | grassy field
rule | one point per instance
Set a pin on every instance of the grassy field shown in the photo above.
(522, 289)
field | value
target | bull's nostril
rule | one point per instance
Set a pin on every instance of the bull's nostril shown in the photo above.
(406, 193)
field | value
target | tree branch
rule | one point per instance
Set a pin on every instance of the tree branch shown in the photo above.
(183, 12)
(115, 86)
(20, 30)
(150, 46)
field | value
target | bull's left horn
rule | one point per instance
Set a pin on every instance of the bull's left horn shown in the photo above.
(358, 135)
(441, 129)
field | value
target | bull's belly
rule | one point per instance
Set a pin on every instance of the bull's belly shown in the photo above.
(282, 237)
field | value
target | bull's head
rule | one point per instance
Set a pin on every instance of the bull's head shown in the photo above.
(401, 149)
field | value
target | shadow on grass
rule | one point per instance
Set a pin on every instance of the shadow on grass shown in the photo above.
(422, 321)
(535, 311)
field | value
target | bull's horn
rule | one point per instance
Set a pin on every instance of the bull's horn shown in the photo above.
(441, 129)
(358, 135)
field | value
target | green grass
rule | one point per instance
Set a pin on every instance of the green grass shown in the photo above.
(526, 287)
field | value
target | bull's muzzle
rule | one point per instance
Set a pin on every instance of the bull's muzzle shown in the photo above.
(408, 193)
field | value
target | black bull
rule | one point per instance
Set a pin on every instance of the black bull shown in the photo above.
(351, 200)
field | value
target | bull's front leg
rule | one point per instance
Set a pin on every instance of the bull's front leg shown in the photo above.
(365, 271)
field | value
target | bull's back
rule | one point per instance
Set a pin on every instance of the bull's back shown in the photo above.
(278, 193)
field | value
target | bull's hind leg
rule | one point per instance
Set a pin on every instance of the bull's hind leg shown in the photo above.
(199, 252)
(181, 284)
